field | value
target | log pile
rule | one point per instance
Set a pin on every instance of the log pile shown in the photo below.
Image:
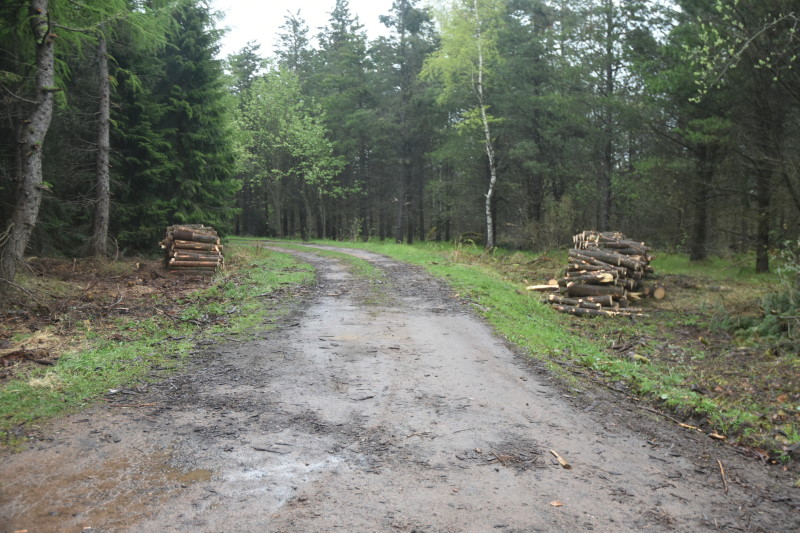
(604, 276)
(192, 249)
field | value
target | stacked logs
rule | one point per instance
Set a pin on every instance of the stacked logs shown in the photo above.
(192, 249)
(603, 277)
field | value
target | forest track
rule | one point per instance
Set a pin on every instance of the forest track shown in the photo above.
(381, 406)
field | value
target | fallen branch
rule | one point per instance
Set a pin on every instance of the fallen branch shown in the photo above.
(681, 424)
(722, 473)
(545, 288)
(29, 293)
(561, 460)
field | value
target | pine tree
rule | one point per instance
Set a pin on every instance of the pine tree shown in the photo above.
(178, 155)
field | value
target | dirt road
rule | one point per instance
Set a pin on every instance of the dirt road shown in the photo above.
(381, 407)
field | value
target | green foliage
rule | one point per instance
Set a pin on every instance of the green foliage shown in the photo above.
(780, 318)
(468, 44)
(174, 140)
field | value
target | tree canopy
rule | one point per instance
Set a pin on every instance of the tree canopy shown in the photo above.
(506, 122)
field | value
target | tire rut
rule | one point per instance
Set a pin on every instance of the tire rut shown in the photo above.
(397, 413)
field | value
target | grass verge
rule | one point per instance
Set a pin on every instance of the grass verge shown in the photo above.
(119, 351)
(682, 357)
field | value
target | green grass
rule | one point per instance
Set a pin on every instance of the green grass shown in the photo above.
(126, 352)
(739, 269)
(518, 316)
(357, 266)
(674, 353)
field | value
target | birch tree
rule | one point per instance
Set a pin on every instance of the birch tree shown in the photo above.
(463, 66)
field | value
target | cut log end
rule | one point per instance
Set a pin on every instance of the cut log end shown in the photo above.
(659, 292)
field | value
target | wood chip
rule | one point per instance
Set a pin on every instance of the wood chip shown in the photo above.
(561, 460)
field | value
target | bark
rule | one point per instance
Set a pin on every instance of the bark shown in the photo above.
(771, 134)
(557, 299)
(102, 172)
(421, 209)
(579, 311)
(305, 212)
(604, 176)
(183, 245)
(189, 235)
(763, 193)
(183, 255)
(489, 145)
(30, 138)
(193, 264)
(610, 258)
(595, 290)
(402, 207)
(699, 244)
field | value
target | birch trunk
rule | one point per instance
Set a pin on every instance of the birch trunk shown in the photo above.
(30, 138)
(487, 135)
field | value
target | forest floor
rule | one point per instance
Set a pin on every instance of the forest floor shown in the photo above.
(376, 404)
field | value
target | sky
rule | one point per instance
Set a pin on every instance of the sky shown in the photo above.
(260, 20)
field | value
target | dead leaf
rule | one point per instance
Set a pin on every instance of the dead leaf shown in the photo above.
(556, 503)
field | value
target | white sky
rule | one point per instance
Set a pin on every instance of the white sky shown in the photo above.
(260, 20)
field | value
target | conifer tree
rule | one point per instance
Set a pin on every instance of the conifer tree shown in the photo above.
(179, 161)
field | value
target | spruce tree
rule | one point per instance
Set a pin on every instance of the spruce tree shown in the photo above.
(179, 165)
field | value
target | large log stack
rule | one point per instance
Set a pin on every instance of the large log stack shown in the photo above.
(192, 249)
(603, 277)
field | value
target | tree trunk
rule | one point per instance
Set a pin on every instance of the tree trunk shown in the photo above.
(487, 139)
(699, 245)
(103, 190)
(604, 177)
(305, 212)
(763, 193)
(421, 208)
(402, 199)
(30, 139)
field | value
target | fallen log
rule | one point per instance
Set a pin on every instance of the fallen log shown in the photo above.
(196, 256)
(586, 267)
(542, 288)
(576, 255)
(613, 258)
(606, 300)
(209, 264)
(600, 277)
(580, 311)
(557, 299)
(577, 289)
(189, 245)
(188, 235)
(194, 271)
(659, 292)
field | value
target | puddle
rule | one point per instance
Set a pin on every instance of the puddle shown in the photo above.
(192, 476)
(111, 493)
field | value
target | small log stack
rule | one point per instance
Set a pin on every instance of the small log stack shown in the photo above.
(192, 249)
(604, 275)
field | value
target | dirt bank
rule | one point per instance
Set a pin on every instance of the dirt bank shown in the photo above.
(380, 407)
